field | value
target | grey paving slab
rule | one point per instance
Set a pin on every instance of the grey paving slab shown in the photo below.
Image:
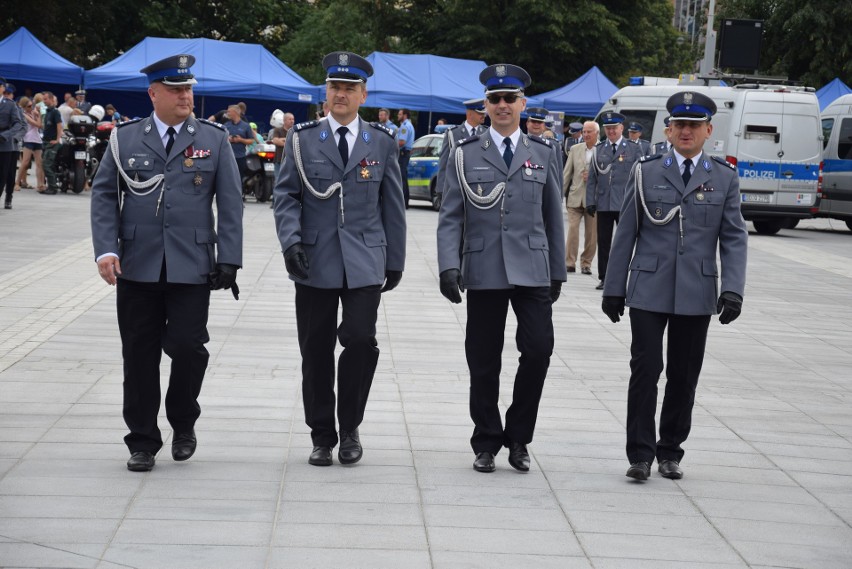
(767, 464)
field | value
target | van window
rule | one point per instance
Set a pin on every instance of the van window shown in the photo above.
(844, 140)
(761, 132)
(827, 125)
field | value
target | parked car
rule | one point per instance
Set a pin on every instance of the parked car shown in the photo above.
(423, 169)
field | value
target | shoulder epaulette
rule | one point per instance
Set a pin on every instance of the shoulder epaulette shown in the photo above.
(540, 140)
(304, 125)
(599, 143)
(211, 123)
(131, 121)
(383, 128)
(723, 161)
(649, 158)
(468, 139)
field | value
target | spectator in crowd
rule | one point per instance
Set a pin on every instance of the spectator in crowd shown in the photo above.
(608, 173)
(634, 132)
(111, 114)
(258, 139)
(51, 138)
(281, 124)
(11, 131)
(38, 102)
(67, 109)
(405, 140)
(82, 103)
(574, 178)
(32, 145)
(239, 135)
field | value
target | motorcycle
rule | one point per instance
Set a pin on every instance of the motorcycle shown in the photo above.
(98, 145)
(74, 163)
(260, 173)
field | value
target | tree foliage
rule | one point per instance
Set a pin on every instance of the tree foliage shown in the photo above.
(555, 40)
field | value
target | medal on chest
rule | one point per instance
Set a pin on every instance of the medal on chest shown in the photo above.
(197, 179)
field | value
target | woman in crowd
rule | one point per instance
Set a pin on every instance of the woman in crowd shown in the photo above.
(32, 145)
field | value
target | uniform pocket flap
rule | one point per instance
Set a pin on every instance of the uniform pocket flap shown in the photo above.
(309, 236)
(374, 239)
(474, 244)
(536, 176)
(538, 242)
(708, 268)
(707, 198)
(479, 176)
(199, 166)
(644, 263)
(128, 232)
(204, 235)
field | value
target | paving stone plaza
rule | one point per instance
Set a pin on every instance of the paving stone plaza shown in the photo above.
(768, 467)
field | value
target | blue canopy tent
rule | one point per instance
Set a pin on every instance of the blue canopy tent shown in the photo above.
(24, 58)
(583, 97)
(831, 91)
(227, 72)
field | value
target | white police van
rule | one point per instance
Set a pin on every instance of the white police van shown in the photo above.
(836, 200)
(770, 132)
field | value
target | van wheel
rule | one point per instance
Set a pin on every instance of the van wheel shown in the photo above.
(791, 223)
(768, 227)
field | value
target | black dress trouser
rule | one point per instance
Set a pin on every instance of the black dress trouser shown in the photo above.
(154, 318)
(687, 338)
(316, 321)
(486, 322)
(607, 220)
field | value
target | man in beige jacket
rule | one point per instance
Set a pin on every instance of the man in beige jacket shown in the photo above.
(574, 177)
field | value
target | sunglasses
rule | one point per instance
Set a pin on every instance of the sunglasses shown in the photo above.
(510, 98)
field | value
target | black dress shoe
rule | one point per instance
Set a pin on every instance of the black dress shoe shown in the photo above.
(141, 461)
(484, 462)
(519, 458)
(586, 271)
(321, 456)
(670, 469)
(183, 445)
(639, 470)
(8, 205)
(600, 286)
(350, 450)
(571, 269)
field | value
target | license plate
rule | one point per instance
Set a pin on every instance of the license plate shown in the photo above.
(80, 155)
(757, 198)
(269, 167)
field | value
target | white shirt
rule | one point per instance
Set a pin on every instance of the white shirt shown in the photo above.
(681, 159)
(471, 130)
(497, 138)
(617, 143)
(163, 127)
(351, 136)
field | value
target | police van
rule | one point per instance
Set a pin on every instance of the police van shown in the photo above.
(771, 133)
(836, 201)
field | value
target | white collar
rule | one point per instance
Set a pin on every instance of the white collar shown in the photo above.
(354, 126)
(497, 138)
(617, 143)
(680, 159)
(163, 127)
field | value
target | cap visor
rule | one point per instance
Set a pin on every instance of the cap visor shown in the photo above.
(181, 83)
(344, 80)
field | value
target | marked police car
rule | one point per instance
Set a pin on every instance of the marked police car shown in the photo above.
(836, 201)
(423, 169)
(771, 133)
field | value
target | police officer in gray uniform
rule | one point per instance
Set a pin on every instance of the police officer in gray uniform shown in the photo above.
(663, 146)
(340, 217)
(680, 207)
(474, 124)
(634, 132)
(501, 237)
(155, 237)
(608, 173)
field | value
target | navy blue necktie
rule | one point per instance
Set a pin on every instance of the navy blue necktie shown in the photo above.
(686, 173)
(507, 154)
(171, 141)
(343, 145)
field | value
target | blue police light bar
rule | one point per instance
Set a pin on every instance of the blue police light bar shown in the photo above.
(637, 81)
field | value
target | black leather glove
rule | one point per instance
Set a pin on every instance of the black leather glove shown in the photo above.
(224, 277)
(555, 290)
(451, 285)
(613, 306)
(392, 279)
(591, 209)
(296, 261)
(729, 306)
